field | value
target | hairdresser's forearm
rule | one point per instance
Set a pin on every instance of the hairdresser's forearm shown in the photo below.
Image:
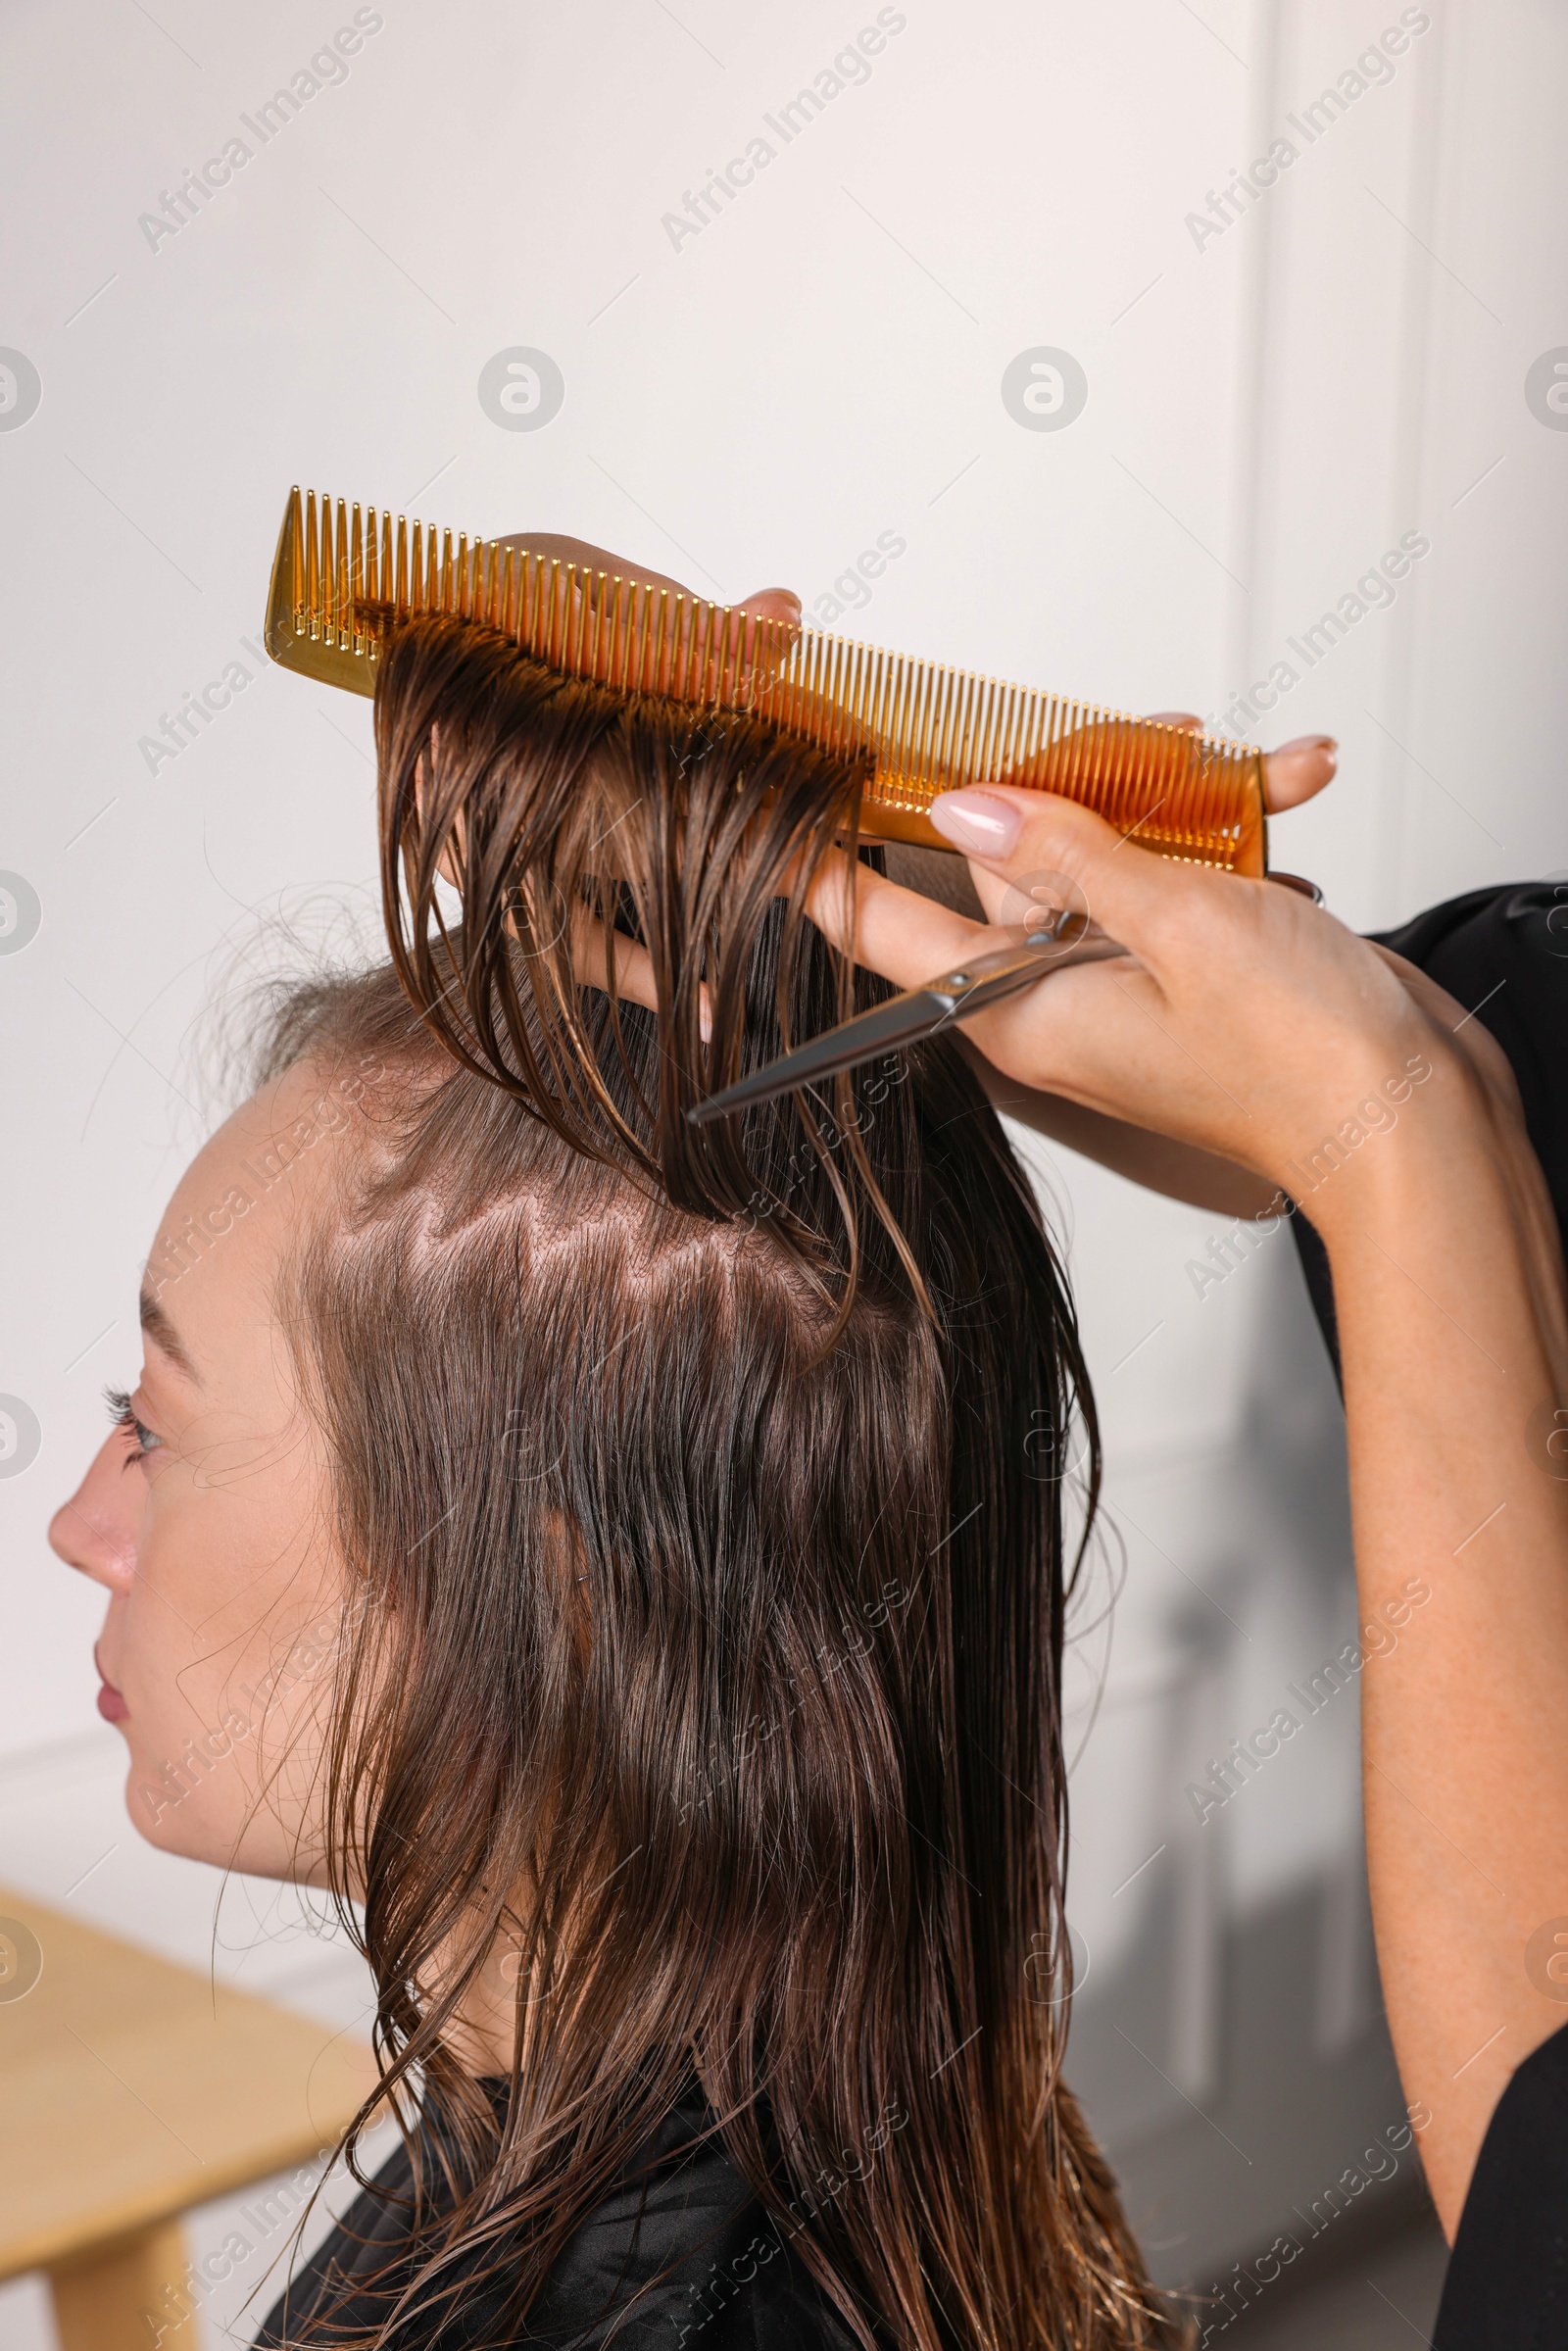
(1465, 1720)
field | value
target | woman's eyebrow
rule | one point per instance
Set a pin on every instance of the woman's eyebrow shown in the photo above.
(163, 1335)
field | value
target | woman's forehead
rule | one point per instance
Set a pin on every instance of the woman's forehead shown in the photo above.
(244, 1201)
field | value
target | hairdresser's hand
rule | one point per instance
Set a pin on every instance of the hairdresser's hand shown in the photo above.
(1249, 1025)
(771, 604)
(1252, 1029)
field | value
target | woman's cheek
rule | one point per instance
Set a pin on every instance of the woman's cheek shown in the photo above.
(183, 1788)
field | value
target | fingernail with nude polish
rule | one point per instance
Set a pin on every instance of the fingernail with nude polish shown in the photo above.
(977, 822)
(1308, 743)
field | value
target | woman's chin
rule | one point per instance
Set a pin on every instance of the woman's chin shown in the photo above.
(194, 1826)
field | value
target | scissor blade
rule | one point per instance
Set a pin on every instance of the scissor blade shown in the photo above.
(903, 1020)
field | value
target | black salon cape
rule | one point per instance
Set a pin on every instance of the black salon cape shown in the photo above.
(734, 2285)
(1504, 954)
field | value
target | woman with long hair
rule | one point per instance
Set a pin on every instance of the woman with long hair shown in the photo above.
(673, 1511)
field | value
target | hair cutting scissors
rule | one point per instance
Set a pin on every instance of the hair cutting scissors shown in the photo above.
(1061, 936)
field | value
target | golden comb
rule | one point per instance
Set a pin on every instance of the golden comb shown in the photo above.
(342, 580)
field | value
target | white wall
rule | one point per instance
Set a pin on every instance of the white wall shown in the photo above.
(1268, 411)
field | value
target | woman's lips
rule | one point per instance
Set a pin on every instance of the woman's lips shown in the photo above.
(111, 1705)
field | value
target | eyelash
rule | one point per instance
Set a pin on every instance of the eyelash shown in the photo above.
(119, 1401)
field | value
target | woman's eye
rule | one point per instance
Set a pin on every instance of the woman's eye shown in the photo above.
(120, 1412)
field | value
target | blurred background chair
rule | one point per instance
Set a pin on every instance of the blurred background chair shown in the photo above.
(130, 2091)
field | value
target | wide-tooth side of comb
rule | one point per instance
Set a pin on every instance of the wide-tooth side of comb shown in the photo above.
(339, 584)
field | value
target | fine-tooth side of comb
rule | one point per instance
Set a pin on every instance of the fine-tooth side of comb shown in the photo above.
(342, 581)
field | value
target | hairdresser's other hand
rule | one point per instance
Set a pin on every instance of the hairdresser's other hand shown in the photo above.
(1296, 771)
(764, 604)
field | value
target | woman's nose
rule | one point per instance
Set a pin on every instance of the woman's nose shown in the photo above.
(97, 1529)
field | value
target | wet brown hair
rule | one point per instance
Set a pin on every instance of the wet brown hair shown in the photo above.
(701, 1487)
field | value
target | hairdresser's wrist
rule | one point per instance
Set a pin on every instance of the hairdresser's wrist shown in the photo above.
(1419, 1148)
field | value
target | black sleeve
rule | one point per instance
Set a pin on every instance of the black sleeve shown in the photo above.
(1507, 2283)
(1503, 955)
